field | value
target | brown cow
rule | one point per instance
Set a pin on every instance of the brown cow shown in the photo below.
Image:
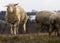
(46, 18)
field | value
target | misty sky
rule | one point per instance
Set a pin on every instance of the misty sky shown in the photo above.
(30, 5)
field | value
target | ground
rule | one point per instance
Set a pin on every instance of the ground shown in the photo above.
(29, 38)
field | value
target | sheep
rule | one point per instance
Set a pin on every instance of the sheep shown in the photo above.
(44, 18)
(15, 15)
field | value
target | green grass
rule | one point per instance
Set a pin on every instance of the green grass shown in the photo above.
(28, 38)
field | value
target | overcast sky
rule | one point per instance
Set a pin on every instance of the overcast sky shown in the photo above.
(29, 5)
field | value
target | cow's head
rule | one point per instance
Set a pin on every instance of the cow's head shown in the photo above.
(11, 8)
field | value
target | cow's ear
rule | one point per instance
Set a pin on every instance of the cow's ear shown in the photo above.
(15, 4)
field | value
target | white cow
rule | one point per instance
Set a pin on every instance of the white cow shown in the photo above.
(16, 15)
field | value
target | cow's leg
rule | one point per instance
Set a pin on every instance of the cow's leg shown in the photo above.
(57, 30)
(11, 29)
(24, 26)
(50, 31)
(15, 29)
(39, 27)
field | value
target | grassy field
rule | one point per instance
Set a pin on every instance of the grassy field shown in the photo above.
(29, 38)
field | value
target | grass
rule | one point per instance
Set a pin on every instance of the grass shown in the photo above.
(28, 38)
